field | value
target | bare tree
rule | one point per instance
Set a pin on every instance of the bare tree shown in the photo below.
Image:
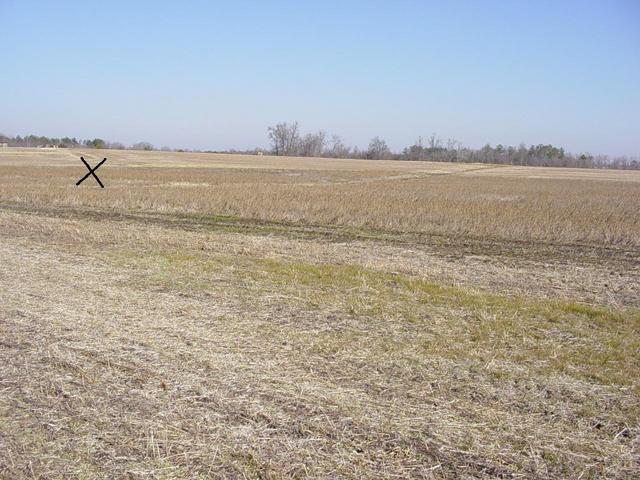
(434, 142)
(142, 146)
(415, 151)
(285, 138)
(378, 149)
(338, 148)
(312, 144)
(452, 149)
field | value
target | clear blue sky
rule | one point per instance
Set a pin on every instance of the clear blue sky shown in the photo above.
(203, 74)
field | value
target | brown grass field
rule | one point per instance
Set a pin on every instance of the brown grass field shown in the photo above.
(217, 316)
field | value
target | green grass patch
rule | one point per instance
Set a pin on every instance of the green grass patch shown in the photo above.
(552, 336)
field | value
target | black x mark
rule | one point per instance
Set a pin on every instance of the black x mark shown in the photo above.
(91, 172)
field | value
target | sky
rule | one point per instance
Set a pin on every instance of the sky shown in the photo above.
(214, 75)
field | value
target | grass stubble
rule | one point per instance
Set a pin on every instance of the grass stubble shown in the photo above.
(167, 327)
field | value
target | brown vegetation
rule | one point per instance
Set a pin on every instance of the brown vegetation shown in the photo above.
(507, 203)
(257, 317)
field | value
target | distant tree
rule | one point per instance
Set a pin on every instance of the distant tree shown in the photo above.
(68, 142)
(487, 153)
(285, 138)
(338, 149)
(312, 144)
(434, 142)
(433, 150)
(378, 150)
(142, 146)
(288, 140)
(417, 151)
(115, 146)
(452, 149)
(95, 143)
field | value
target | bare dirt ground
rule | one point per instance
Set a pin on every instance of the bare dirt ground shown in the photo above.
(146, 343)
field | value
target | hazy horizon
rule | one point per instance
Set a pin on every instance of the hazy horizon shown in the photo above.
(215, 76)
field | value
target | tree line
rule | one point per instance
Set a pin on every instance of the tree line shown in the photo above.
(288, 139)
(33, 141)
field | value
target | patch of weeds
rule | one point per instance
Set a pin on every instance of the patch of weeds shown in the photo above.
(223, 218)
(597, 314)
(595, 343)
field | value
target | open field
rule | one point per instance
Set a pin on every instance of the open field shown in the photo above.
(505, 203)
(260, 317)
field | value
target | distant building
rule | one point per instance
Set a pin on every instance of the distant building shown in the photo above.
(4, 145)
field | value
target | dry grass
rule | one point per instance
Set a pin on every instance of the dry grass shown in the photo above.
(556, 206)
(142, 337)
